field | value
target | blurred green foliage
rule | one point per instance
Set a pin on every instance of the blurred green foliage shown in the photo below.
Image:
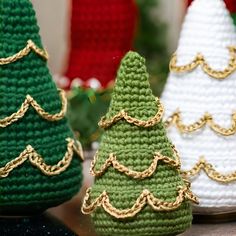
(85, 109)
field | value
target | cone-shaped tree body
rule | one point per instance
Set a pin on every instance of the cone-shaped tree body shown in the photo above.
(25, 187)
(101, 33)
(206, 91)
(134, 147)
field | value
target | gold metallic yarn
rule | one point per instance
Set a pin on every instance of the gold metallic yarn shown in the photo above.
(112, 161)
(211, 172)
(201, 61)
(145, 198)
(207, 119)
(29, 101)
(105, 123)
(29, 154)
(31, 46)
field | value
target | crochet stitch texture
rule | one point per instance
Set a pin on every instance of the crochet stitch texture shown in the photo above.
(26, 187)
(135, 148)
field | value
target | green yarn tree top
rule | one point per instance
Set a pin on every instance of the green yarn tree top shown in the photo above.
(132, 91)
(138, 189)
(40, 165)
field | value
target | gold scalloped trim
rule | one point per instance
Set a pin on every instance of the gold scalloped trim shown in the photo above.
(145, 198)
(29, 101)
(201, 61)
(112, 161)
(31, 46)
(104, 123)
(29, 154)
(207, 119)
(211, 172)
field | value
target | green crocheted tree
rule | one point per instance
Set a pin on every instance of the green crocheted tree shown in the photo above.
(40, 165)
(138, 189)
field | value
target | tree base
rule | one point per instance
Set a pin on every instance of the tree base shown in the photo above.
(19, 213)
(214, 218)
(39, 225)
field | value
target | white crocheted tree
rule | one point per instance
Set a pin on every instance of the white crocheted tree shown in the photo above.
(200, 101)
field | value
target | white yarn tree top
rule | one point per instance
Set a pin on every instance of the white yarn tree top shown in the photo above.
(208, 29)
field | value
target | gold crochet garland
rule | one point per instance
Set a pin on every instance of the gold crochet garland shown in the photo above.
(207, 119)
(36, 160)
(104, 123)
(211, 172)
(31, 46)
(145, 198)
(201, 61)
(29, 101)
(112, 161)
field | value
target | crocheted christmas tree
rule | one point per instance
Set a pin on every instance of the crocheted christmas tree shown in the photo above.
(138, 189)
(231, 5)
(101, 33)
(40, 165)
(200, 103)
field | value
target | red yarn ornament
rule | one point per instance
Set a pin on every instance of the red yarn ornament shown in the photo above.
(231, 5)
(101, 33)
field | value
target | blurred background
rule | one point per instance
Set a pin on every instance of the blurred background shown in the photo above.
(54, 20)
(86, 40)
(66, 28)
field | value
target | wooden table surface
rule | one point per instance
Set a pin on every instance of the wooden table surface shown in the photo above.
(71, 215)
(226, 229)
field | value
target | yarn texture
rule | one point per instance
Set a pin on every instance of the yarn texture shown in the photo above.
(41, 129)
(204, 124)
(231, 5)
(101, 33)
(135, 191)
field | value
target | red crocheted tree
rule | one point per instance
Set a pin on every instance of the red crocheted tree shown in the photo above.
(101, 33)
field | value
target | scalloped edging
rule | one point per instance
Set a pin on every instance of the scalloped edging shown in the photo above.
(29, 101)
(200, 60)
(206, 119)
(29, 154)
(145, 198)
(112, 162)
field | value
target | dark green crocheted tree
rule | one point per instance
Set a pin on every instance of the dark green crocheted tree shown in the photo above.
(125, 164)
(31, 182)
